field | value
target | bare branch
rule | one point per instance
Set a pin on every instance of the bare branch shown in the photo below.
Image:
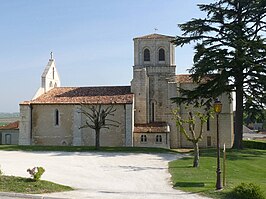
(97, 119)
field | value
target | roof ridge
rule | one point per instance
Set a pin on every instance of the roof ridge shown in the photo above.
(89, 95)
(154, 36)
(90, 86)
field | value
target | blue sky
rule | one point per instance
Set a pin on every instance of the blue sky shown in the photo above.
(92, 41)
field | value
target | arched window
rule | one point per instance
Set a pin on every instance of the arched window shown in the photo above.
(53, 73)
(209, 141)
(208, 124)
(51, 84)
(143, 138)
(152, 112)
(161, 55)
(158, 139)
(55, 84)
(147, 56)
(56, 117)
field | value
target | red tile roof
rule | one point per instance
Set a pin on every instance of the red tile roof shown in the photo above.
(184, 78)
(187, 78)
(14, 125)
(156, 127)
(86, 95)
(155, 36)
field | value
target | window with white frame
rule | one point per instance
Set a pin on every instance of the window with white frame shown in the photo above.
(159, 139)
(143, 138)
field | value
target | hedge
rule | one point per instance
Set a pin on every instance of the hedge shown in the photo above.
(253, 144)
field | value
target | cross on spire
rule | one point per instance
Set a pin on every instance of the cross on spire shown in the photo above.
(51, 55)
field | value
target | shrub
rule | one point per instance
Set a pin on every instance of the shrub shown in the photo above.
(247, 191)
(254, 144)
(36, 172)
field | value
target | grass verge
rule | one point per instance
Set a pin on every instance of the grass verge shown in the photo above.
(246, 166)
(29, 186)
(85, 149)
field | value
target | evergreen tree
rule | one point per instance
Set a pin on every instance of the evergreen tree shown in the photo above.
(231, 44)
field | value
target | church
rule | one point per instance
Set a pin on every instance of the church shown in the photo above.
(143, 108)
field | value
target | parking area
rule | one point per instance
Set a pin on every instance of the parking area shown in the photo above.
(99, 175)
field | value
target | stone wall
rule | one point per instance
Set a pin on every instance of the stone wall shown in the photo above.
(45, 131)
(129, 124)
(172, 92)
(151, 140)
(25, 125)
(114, 136)
(9, 136)
(154, 45)
(158, 92)
(140, 86)
(210, 136)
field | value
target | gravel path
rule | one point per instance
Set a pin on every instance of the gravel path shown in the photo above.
(99, 175)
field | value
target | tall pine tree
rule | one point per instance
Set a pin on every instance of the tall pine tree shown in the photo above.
(230, 43)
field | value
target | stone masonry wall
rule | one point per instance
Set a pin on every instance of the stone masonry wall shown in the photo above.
(44, 128)
(115, 136)
(25, 125)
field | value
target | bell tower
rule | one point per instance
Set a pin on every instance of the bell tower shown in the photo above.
(154, 64)
(49, 79)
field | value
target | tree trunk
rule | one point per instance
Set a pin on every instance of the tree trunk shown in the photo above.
(239, 80)
(196, 154)
(239, 115)
(97, 139)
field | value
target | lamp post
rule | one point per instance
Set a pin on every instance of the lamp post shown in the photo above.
(217, 109)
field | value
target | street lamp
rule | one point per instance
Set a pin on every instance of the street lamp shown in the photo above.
(217, 109)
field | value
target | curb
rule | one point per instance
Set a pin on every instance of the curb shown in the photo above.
(30, 196)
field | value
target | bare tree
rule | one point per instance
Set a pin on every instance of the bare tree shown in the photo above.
(191, 122)
(97, 119)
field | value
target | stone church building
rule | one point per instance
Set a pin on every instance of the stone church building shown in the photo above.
(143, 109)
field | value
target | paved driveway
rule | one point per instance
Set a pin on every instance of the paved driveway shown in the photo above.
(99, 175)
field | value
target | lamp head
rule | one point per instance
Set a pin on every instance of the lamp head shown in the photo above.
(217, 106)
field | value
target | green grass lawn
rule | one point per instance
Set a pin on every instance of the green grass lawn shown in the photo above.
(247, 166)
(29, 186)
(85, 149)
